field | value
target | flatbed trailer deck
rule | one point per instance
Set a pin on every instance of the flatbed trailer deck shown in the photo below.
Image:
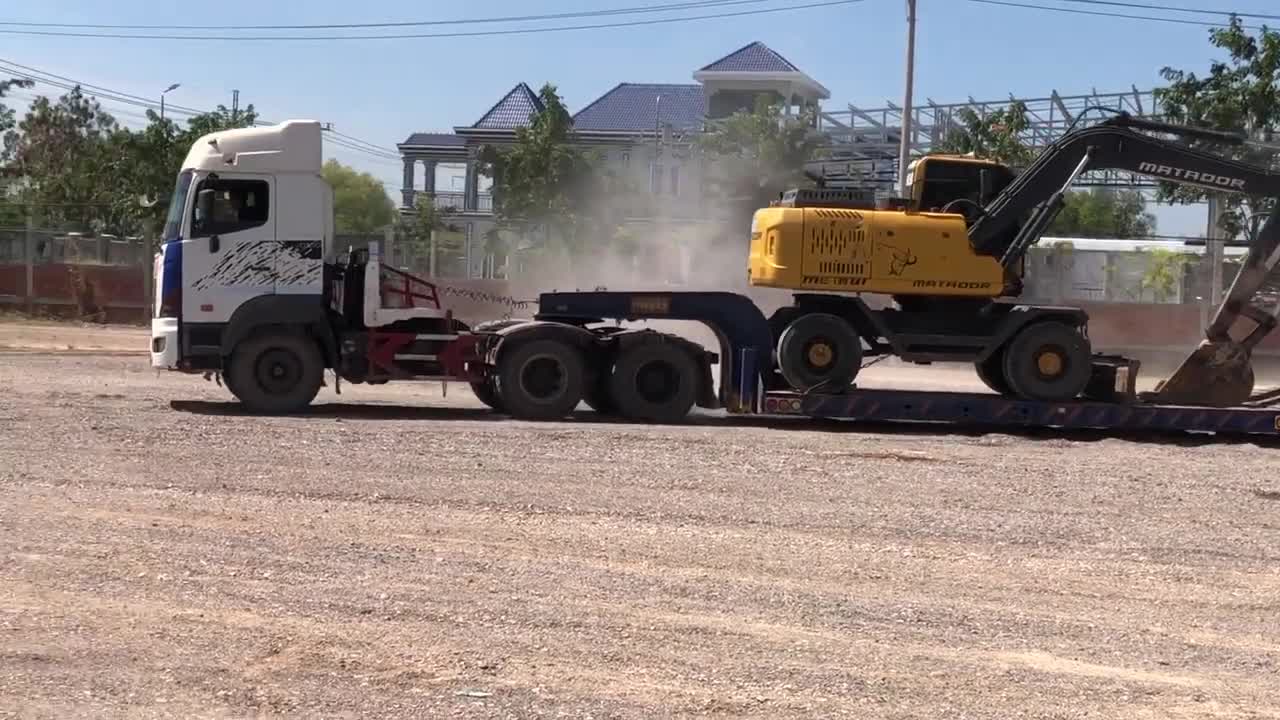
(964, 408)
(747, 388)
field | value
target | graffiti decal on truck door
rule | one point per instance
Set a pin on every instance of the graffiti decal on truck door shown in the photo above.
(265, 263)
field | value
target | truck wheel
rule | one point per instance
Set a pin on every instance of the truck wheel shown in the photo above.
(654, 382)
(278, 373)
(487, 392)
(541, 380)
(598, 396)
(991, 373)
(819, 349)
(1047, 361)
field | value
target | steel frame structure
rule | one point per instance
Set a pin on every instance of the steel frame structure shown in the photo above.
(863, 143)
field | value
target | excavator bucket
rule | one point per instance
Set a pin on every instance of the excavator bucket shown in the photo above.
(1219, 372)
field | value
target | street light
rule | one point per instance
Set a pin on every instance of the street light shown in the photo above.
(166, 90)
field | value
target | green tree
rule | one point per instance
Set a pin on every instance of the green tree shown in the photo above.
(1104, 212)
(542, 182)
(1098, 212)
(431, 232)
(752, 157)
(996, 136)
(61, 151)
(1240, 93)
(361, 205)
(84, 172)
(11, 214)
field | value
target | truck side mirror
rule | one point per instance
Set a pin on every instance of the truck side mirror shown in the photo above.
(984, 186)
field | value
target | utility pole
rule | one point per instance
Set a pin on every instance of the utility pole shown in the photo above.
(904, 147)
(235, 106)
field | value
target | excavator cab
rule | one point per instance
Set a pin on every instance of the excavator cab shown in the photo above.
(955, 183)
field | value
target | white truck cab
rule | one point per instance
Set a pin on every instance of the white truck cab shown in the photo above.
(249, 285)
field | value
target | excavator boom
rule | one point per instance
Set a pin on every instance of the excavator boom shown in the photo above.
(1219, 372)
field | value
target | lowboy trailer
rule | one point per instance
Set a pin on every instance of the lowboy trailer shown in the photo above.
(571, 335)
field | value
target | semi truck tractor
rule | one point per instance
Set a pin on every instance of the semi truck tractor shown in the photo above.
(253, 291)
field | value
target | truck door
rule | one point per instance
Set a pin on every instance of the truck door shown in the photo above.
(231, 257)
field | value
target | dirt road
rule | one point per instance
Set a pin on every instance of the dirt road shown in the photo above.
(400, 554)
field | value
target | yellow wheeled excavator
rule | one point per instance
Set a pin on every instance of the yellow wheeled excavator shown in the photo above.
(952, 257)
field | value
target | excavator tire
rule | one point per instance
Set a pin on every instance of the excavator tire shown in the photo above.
(819, 350)
(1048, 361)
(991, 373)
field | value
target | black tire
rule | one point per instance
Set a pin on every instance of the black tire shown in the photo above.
(654, 382)
(276, 373)
(819, 349)
(1049, 361)
(486, 391)
(598, 396)
(541, 380)
(991, 373)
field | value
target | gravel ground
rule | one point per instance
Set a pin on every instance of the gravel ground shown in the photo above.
(400, 554)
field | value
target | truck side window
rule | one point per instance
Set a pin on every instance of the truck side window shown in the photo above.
(237, 205)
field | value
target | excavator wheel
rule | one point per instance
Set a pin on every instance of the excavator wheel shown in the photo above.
(818, 350)
(991, 373)
(1048, 361)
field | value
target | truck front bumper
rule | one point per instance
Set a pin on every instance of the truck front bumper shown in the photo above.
(164, 343)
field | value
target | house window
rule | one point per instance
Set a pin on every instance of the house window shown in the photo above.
(626, 159)
(655, 178)
(675, 180)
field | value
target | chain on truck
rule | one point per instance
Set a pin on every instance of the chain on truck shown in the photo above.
(253, 291)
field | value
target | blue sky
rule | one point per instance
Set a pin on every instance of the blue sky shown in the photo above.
(382, 90)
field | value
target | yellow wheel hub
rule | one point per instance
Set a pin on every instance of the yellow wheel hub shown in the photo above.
(820, 355)
(1049, 363)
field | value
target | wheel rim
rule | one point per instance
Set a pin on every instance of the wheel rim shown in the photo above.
(1051, 362)
(819, 354)
(278, 371)
(657, 382)
(543, 378)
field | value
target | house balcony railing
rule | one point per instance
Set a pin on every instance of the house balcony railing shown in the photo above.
(457, 201)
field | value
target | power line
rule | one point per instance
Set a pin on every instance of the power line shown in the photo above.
(1167, 8)
(1099, 13)
(107, 94)
(695, 5)
(405, 36)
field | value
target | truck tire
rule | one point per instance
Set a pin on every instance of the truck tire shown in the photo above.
(818, 349)
(654, 382)
(598, 396)
(276, 373)
(541, 379)
(1048, 361)
(486, 391)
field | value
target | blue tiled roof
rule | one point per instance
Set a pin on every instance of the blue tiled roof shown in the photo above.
(512, 111)
(436, 139)
(636, 107)
(756, 57)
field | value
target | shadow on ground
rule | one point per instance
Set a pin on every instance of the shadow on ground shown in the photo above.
(377, 411)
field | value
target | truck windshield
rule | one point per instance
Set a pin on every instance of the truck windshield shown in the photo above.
(177, 205)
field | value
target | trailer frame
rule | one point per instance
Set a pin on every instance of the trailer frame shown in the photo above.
(1110, 403)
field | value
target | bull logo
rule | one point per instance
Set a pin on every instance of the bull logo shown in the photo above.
(902, 259)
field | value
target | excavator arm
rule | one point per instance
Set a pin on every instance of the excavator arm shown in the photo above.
(1219, 372)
